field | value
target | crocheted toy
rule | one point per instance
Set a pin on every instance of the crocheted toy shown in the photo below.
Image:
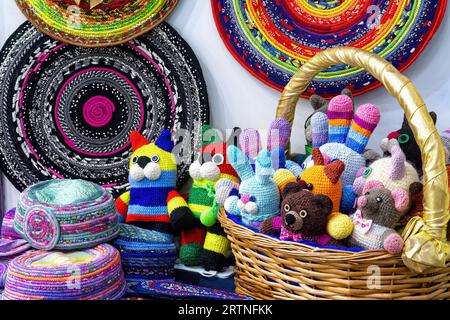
(378, 212)
(323, 179)
(304, 217)
(319, 104)
(207, 248)
(259, 197)
(408, 144)
(342, 136)
(153, 174)
(392, 173)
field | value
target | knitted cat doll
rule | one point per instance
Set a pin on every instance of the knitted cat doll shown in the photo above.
(392, 173)
(408, 144)
(153, 174)
(344, 136)
(304, 217)
(323, 179)
(209, 247)
(378, 212)
(259, 197)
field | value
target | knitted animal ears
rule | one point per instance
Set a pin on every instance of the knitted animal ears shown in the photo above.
(333, 170)
(241, 164)
(352, 130)
(320, 104)
(164, 141)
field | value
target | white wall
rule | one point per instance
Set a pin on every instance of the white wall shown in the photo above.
(238, 99)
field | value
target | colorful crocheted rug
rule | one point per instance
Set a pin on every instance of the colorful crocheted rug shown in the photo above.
(67, 112)
(107, 23)
(166, 289)
(271, 39)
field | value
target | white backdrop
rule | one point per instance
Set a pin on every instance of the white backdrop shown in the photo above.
(238, 99)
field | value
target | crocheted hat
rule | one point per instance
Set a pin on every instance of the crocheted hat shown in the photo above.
(91, 274)
(95, 23)
(146, 254)
(9, 249)
(66, 215)
(8, 231)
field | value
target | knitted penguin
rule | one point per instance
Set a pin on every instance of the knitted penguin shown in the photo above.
(392, 173)
(209, 247)
(378, 212)
(259, 197)
(153, 174)
(344, 136)
(323, 179)
(408, 144)
(304, 217)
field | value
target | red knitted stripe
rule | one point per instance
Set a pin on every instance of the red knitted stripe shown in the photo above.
(172, 194)
(121, 207)
(194, 235)
(143, 218)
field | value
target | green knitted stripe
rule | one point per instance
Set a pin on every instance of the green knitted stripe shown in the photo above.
(199, 196)
(190, 254)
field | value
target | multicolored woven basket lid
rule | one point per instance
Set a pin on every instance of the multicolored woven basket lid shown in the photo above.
(272, 39)
(96, 23)
(66, 214)
(67, 111)
(9, 249)
(146, 254)
(89, 274)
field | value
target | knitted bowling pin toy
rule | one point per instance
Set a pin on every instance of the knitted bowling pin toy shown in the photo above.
(259, 197)
(209, 247)
(323, 179)
(153, 174)
(344, 136)
(392, 173)
(378, 213)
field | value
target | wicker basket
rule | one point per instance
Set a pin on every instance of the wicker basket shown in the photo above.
(267, 268)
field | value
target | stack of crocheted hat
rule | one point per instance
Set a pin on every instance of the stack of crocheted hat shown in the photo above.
(66, 215)
(93, 273)
(146, 254)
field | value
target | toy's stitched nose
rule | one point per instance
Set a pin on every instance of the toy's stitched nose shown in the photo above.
(143, 161)
(245, 198)
(290, 219)
(362, 201)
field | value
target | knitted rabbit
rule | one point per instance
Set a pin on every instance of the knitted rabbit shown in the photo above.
(378, 212)
(344, 136)
(259, 197)
(392, 173)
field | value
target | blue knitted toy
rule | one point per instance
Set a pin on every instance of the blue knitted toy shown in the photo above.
(259, 197)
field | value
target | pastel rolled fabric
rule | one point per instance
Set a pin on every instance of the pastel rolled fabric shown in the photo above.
(91, 274)
(146, 254)
(66, 215)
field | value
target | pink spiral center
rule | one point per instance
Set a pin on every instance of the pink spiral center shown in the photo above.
(98, 110)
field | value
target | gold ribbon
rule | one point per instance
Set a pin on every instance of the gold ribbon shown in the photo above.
(425, 239)
(92, 3)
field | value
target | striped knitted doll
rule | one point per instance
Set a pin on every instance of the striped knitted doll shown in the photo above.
(197, 248)
(153, 174)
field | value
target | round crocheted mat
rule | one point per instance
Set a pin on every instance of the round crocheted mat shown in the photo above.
(67, 112)
(272, 39)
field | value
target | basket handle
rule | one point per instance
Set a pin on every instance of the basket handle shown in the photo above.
(425, 243)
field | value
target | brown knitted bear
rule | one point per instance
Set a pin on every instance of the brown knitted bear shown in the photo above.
(304, 217)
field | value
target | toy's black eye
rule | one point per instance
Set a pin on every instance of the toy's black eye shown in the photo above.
(287, 207)
(252, 199)
(403, 138)
(367, 193)
(367, 172)
(310, 186)
(217, 159)
(135, 159)
(379, 200)
(155, 159)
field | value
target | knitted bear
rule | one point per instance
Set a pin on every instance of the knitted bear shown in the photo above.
(197, 247)
(153, 174)
(378, 212)
(342, 136)
(408, 144)
(304, 217)
(392, 173)
(259, 197)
